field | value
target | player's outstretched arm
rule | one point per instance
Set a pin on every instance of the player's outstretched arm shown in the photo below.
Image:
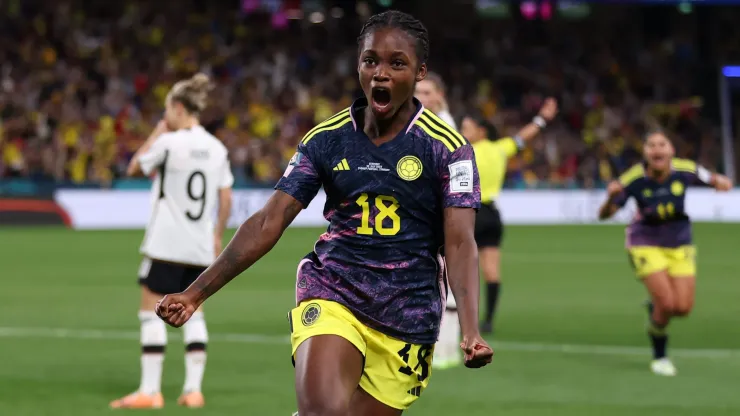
(461, 253)
(610, 207)
(254, 238)
(134, 166)
(721, 182)
(547, 113)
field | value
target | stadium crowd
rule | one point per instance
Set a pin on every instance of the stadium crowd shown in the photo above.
(82, 87)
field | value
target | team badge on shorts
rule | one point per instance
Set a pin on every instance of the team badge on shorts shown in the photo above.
(310, 314)
(677, 188)
(409, 168)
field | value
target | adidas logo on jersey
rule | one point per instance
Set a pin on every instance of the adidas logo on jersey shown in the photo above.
(343, 165)
(416, 391)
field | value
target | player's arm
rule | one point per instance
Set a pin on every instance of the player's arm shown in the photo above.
(717, 181)
(461, 254)
(614, 201)
(526, 134)
(148, 156)
(224, 211)
(461, 190)
(254, 238)
(224, 205)
(619, 191)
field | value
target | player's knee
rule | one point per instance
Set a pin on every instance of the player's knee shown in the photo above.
(195, 333)
(153, 332)
(665, 306)
(682, 309)
(491, 273)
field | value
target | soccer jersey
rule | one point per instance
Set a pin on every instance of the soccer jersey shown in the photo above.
(191, 166)
(380, 254)
(661, 219)
(492, 157)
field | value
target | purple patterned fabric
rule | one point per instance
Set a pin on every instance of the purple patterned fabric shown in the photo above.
(385, 206)
(661, 219)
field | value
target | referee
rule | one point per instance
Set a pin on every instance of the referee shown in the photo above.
(491, 158)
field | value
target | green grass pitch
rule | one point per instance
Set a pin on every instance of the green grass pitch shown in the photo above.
(570, 337)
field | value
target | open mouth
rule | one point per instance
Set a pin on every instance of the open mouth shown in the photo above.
(381, 96)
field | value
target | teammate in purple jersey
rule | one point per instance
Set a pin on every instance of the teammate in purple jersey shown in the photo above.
(659, 239)
(400, 184)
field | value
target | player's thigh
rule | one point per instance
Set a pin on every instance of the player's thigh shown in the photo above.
(328, 352)
(661, 292)
(149, 299)
(396, 372)
(490, 263)
(363, 404)
(327, 373)
(647, 260)
(682, 270)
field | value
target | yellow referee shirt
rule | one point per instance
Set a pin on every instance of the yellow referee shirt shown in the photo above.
(491, 158)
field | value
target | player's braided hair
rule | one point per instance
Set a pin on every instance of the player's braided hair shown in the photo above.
(193, 93)
(402, 21)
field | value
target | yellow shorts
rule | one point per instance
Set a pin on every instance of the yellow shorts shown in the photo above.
(395, 372)
(679, 261)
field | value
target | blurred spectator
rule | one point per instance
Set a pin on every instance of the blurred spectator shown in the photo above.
(82, 86)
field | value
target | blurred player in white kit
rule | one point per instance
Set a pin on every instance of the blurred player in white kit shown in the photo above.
(193, 175)
(431, 93)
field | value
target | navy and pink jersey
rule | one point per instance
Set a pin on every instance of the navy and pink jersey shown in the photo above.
(661, 219)
(380, 254)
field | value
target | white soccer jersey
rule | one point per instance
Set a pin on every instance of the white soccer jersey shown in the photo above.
(192, 166)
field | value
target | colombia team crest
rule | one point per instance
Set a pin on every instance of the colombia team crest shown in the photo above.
(409, 168)
(677, 188)
(310, 314)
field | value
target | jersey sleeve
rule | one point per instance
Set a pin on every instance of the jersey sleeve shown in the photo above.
(227, 177)
(301, 179)
(508, 146)
(155, 156)
(694, 172)
(622, 198)
(629, 181)
(459, 177)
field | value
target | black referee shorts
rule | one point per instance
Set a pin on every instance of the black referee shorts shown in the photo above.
(488, 227)
(166, 278)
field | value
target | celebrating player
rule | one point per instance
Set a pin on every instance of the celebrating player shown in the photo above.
(400, 183)
(659, 239)
(431, 93)
(491, 158)
(193, 172)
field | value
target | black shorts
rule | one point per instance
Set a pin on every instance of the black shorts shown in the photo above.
(166, 278)
(488, 227)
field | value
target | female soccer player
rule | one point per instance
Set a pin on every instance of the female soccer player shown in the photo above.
(400, 184)
(659, 239)
(193, 173)
(431, 93)
(491, 158)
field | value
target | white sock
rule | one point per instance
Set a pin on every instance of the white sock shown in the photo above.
(195, 335)
(153, 342)
(448, 345)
